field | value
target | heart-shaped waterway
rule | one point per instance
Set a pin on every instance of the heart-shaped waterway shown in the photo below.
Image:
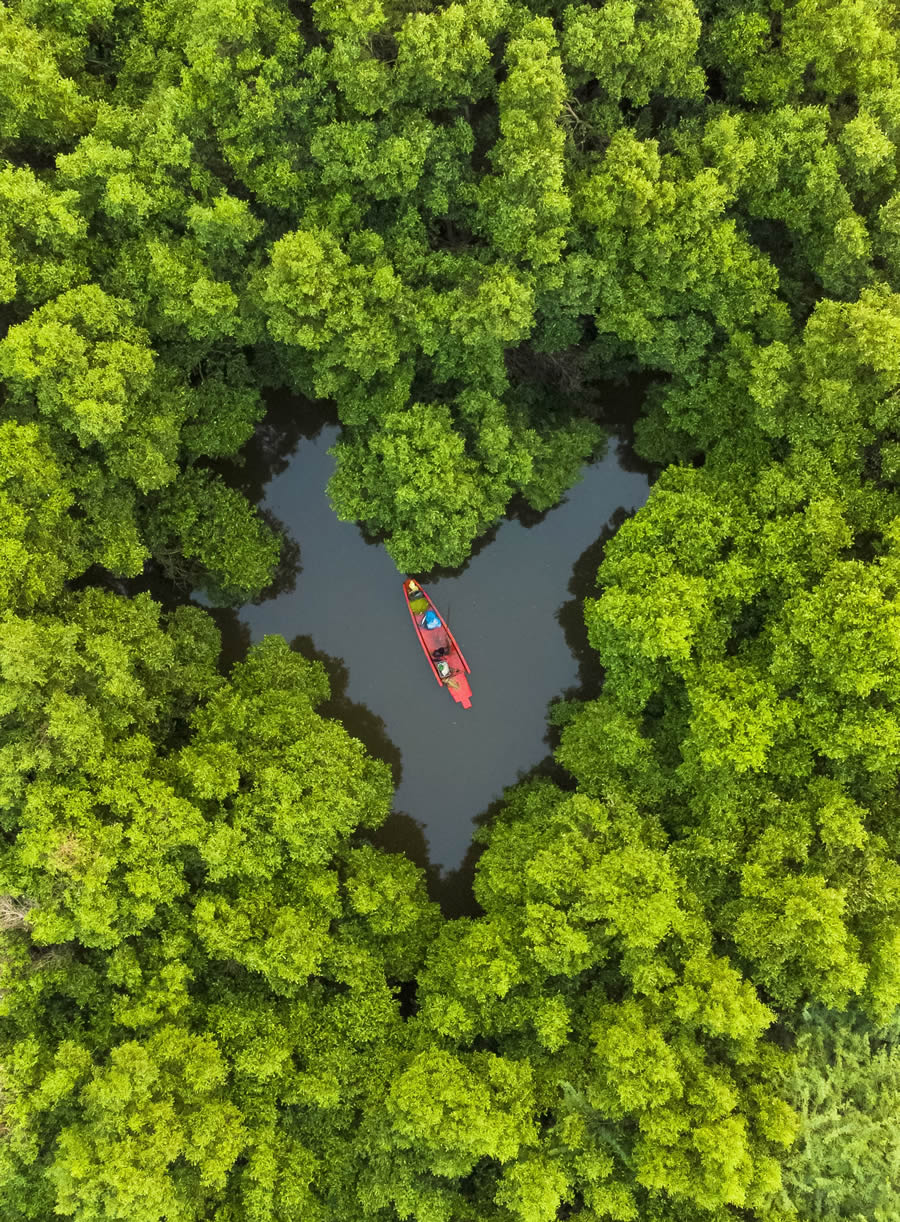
(512, 610)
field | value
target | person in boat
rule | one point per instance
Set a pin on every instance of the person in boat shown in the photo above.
(441, 652)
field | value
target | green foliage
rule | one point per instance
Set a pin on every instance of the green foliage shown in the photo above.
(664, 269)
(635, 51)
(155, 1103)
(228, 548)
(748, 656)
(826, 48)
(415, 476)
(444, 55)
(845, 1084)
(80, 363)
(524, 209)
(593, 961)
(82, 366)
(40, 104)
(38, 547)
(82, 692)
(452, 220)
(347, 311)
(42, 238)
(222, 957)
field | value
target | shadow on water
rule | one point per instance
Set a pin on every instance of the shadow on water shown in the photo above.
(235, 634)
(454, 889)
(288, 568)
(438, 572)
(570, 616)
(614, 395)
(518, 510)
(356, 718)
(289, 419)
(451, 890)
(618, 406)
(504, 606)
(401, 833)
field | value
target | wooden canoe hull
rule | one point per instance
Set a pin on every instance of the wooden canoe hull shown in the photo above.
(456, 683)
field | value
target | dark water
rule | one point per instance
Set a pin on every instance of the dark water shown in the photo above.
(514, 609)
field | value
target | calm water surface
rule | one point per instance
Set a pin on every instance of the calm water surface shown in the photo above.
(511, 609)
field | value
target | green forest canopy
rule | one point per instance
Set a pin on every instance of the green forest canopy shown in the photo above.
(219, 1000)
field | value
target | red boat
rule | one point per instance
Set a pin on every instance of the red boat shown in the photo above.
(444, 656)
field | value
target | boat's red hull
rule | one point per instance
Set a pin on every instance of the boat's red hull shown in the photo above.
(439, 640)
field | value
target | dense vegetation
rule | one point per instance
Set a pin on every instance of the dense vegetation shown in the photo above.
(219, 1000)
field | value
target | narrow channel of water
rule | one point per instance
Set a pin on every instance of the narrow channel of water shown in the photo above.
(511, 609)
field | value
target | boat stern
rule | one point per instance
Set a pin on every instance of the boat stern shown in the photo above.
(459, 689)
